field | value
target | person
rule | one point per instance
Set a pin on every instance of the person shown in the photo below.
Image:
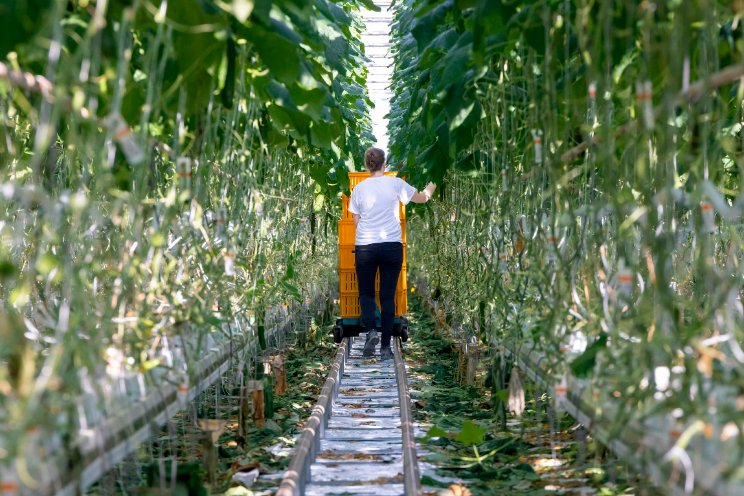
(375, 206)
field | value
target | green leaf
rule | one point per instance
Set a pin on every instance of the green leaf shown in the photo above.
(284, 112)
(321, 134)
(291, 290)
(425, 28)
(370, 5)
(582, 365)
(277, 52)
(455, 63)
(435, 431)
(489, 20)
(462, 115)
(470, 434)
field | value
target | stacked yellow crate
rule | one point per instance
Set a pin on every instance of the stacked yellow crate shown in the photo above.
(346, 264)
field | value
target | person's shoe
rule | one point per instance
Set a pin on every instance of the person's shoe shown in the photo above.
(386, 354)
(370, 343)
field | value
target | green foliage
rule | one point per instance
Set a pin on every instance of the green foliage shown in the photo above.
(588, 204)
(160, 203)
(20, 20)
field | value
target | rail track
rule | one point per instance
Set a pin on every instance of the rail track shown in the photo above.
(359, 439)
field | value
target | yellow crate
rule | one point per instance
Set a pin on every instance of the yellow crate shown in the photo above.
(345, 214)
(350, 308)
(350, 305)
(346, 257)
(347, 281)
(346, 232)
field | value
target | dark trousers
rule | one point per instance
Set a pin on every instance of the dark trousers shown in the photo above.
(388, 259)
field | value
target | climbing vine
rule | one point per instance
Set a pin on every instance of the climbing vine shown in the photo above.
(166, 170)
(590, 158)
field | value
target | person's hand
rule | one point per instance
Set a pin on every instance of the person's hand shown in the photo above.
(429, 189)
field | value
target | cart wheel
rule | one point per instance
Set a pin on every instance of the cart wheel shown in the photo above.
(404, 333)
(338, 334)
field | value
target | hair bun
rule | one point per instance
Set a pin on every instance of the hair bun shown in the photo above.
(374, 159)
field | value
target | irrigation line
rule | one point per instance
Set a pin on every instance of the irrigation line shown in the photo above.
(109, 457)
(298, 472)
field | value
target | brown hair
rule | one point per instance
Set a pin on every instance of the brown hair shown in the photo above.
(374, 159)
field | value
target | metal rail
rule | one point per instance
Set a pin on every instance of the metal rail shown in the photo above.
(298, 472)
(358, 424)
(411, 473)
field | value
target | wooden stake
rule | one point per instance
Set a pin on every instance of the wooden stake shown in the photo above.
(472, 363)
(256, 390)
(244, 413)
(279, 373)
(462, 364)
(212, 429)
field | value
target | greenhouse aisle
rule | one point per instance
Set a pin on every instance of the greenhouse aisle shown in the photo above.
(172, 177)
(376, 40)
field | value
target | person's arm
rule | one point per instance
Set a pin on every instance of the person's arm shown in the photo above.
(354, 208)
(424, 195)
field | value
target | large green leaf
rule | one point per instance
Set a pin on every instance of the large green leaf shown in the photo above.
(455, 63)
(369, 4)
(321, 134)
(427, 26)
(490, 19)
(470, 434)
(278, 53)
(583, 364)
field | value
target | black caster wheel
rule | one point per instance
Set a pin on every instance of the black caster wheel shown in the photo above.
(338, 334)
(404, 333)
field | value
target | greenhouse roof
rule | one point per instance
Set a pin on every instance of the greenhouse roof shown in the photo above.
(376, 39)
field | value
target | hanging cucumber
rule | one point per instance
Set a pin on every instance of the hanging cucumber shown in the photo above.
(228, 90)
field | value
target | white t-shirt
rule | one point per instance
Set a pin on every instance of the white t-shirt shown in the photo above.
(377, 201)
